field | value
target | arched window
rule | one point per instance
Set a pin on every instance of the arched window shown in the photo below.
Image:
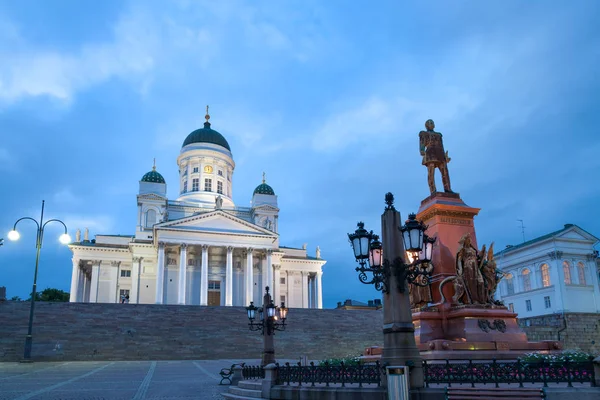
(150, 218)
(581, 273)
(567, 272)
(526, 278)
(510, 284)
(545, 275)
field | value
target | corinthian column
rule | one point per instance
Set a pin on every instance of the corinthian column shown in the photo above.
(182, 273)
(136, 268)
(115, 284)
(160, 273)
(319, 290)
(94, 281)
(270, 273)
(229, 278)
(304, 289)
(249, 275)
(74, 281)
(276, 285)
(204, 277)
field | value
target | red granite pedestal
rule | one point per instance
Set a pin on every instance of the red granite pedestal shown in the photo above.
(445, 330)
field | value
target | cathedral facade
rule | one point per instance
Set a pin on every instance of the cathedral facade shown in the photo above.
(200, 248)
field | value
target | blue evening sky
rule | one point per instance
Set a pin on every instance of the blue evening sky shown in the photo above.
(326, 97)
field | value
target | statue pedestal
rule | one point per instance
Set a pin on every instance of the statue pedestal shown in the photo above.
(448, 219)
(472, 332)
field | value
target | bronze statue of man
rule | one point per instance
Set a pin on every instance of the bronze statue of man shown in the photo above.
(432, 150)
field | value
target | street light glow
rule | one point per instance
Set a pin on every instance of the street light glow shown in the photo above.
(13, 235)
(65, 238)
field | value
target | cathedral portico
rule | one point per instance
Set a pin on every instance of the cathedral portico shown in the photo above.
(199, 249)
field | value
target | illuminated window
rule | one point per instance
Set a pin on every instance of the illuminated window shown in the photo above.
(567, 272)
(545, 275)
(581, 273)
(526, 278)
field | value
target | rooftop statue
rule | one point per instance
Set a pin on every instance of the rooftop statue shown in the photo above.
(432, 150)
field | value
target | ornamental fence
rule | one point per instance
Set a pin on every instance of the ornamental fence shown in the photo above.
(253, 372)
(327, 374)
(510, 372)
(435, 372)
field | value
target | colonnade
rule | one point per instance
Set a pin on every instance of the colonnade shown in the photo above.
(85, 277)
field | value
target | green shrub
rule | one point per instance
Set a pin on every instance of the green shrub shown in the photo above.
(566, 355)
(348, 360)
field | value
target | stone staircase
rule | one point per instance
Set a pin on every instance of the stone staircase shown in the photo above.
(458, 393)
(245, 390)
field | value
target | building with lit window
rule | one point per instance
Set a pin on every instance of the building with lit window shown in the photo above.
(554, 273)
(199, 248)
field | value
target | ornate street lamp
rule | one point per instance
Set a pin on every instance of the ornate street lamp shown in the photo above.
(14, 235)
(271, 319)
(418, 249)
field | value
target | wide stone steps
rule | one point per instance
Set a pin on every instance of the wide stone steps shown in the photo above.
(494, 393)
(246, 390)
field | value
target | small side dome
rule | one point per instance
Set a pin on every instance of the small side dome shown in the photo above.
(263, 188)
(153, 176)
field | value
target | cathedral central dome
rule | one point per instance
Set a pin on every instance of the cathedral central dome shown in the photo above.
(206, 135)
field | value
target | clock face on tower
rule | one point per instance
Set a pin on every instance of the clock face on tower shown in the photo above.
(208, 169)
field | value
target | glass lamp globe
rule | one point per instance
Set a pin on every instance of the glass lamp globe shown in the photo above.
(14, 235)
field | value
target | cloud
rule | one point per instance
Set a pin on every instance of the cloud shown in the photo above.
(97, 224)
(29, 71)
(66, 197)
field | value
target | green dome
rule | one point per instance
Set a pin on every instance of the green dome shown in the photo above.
(153, 177)
(206, 135)
(263, 188)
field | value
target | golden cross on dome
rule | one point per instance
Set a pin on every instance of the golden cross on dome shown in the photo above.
(154, 165)
(207, 116)
(264, 178)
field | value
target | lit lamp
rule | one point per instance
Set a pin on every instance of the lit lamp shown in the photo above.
(271, 319)
(14, 235)
(375, 253)
(368, 252)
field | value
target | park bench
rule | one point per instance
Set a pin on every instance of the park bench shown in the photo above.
(227, 373)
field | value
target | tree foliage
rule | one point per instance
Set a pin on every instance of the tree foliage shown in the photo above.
(51, 294)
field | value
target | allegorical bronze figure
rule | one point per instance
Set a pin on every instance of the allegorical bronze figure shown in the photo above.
(432, 150)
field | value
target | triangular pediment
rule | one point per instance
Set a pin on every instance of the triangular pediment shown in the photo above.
(215, 222)
(266, 207)
(151, 196)
(576, 233)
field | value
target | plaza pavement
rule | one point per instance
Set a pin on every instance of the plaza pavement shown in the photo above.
(112, 380)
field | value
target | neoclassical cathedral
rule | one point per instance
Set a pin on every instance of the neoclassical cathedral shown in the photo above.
(201, 248)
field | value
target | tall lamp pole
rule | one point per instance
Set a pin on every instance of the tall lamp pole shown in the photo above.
(271, 319)
(14, 235)
(391, 274)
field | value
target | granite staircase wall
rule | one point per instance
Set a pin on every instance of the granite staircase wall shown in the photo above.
(84, 331)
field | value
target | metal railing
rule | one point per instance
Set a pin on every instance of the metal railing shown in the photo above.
(510, 372)
(253, 372)
(327, 374)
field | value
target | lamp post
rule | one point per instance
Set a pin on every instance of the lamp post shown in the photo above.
(14, 235)
(391, 274)
(270, 319)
